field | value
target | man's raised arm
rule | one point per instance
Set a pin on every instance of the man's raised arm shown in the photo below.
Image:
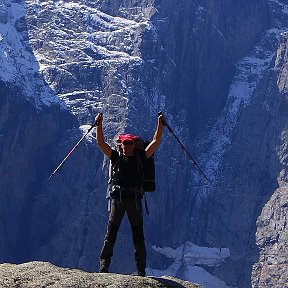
(151, 148)
(106, 149)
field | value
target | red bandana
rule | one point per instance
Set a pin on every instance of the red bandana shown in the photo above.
(128, 137)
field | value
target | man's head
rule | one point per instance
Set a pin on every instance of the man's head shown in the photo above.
(127, 143)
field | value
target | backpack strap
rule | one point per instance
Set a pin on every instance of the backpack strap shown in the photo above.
(140, 165)
(146, 204)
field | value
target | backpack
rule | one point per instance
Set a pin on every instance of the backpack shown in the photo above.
(149, 184)
(147, 166)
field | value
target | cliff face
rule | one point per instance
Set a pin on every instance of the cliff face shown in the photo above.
(217, 69)
(253, 178)
(236, 25)
(253, 173)
(271, 231)
(204, 39)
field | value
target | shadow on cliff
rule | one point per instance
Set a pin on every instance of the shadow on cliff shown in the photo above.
(32, 141)
(54, 220)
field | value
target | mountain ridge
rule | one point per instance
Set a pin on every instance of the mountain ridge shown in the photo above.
(220, 81)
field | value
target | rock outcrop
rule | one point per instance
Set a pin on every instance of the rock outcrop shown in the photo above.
(44, 274)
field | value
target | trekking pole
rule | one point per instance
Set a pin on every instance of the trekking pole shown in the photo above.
(183, 147)
(71, 151)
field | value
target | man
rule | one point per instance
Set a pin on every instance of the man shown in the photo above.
(126, 191)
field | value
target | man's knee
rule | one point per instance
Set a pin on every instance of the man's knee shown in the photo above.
(138, 234)
(112, 231)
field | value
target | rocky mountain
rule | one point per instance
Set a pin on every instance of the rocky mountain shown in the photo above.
(217, 69)
(35, 274)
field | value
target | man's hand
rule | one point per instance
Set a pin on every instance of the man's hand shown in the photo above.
(151, 148)
(161, 119)
(98, 119)
(106, 149)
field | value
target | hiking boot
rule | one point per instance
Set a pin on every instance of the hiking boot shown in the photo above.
(141, 272)
(104, 266)
(103, 270)
(140, 258)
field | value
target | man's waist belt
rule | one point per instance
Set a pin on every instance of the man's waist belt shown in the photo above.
(125, 192)
(122, 188)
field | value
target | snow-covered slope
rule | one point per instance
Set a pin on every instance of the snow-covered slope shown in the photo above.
(18, 63)
(188, 260)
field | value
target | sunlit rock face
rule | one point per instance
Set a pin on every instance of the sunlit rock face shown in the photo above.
(218, 71)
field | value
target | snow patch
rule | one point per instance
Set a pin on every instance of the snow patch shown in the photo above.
(185, 261)
(90, 137)
(17, 62)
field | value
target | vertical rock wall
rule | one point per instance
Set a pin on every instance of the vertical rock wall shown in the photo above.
(129, 59)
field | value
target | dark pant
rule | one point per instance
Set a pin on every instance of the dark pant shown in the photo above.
(134, 211)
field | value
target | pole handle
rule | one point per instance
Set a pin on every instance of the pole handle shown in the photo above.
(96, 123)
(163, 122)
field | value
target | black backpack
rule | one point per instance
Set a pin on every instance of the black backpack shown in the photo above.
(149, 184)
(147, 166)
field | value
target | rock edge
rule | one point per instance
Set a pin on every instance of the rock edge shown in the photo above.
(44, 274)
